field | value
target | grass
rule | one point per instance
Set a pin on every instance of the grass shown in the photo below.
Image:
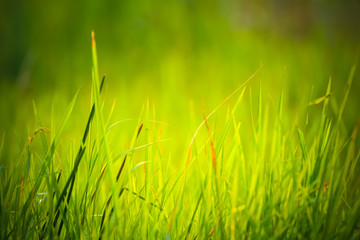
(250, 171)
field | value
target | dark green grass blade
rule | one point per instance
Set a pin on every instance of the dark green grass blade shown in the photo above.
(71, 187)
(76, 165)
(81, 151)
(77, 162)
(87, 129)
(193, 216)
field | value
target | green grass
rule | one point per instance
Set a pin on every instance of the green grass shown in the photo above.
(248, 170)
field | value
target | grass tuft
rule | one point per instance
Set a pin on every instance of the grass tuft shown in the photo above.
(255, 172)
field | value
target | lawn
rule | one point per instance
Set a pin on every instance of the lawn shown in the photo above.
(180, 121)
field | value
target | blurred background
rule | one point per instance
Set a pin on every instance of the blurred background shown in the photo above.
(176, 54)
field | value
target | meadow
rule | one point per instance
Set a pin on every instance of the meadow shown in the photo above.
(188, 129)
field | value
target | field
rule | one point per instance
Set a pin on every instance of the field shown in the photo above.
(186, 124)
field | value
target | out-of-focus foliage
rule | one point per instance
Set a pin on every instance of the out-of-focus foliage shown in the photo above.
(171, 52)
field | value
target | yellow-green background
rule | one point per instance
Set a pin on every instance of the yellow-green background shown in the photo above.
(176, 54)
